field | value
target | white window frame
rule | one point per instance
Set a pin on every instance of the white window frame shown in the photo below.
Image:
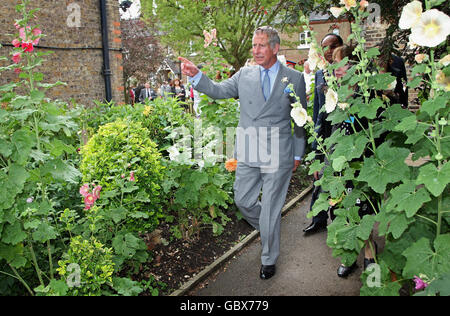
(303, 36)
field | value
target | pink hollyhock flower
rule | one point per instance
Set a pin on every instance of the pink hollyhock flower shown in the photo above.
(36, 32)
(17, 57)
(420, 284)
(89, 200)
(84, 190)
(27, 47)
(132, 176)
(16, 43)
(17, 70)
(23, 33)
(96, 191)
(17, 25)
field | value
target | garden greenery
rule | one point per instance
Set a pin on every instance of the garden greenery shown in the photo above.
(410, 199)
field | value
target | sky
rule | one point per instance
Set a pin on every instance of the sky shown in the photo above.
(132, 12)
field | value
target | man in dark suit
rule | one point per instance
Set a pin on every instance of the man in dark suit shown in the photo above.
(323, 128)
(147, 93)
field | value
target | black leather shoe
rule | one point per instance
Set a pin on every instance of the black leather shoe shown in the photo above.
(315, 227)
(267, 272)
(344, 271)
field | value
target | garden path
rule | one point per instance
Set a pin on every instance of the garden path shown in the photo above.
(306, 266)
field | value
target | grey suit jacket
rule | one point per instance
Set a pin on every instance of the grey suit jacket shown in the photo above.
(264, 134)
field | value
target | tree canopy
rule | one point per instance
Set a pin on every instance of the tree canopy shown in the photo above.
(182, 23)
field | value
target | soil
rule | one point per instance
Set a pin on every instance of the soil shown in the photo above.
(175, 261)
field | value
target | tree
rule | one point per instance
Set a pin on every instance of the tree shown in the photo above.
(183, 22)
(142, 52)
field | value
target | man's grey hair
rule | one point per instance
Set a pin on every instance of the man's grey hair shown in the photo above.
(271, 33)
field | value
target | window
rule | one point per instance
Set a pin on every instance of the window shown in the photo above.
(304, 40)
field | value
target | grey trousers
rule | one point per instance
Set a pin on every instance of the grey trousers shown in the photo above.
(263, 214)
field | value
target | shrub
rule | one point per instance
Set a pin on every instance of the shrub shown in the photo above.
(123, 160)
(87, 268)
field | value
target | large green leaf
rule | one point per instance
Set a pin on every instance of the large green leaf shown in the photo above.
(435, 179)
(408, 197)
(421, 258)
(13, 234)
(23, 141)
(387, 166)
(44, 232)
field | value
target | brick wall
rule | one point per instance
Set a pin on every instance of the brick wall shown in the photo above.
(77, 59)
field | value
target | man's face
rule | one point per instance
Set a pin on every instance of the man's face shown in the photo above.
(263, 54)
(329, 44)
(147, 86)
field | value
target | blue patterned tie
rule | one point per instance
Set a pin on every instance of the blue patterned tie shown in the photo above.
(266, 84)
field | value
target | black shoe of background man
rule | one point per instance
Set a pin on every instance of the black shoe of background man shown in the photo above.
(315, 226)
(267, 272)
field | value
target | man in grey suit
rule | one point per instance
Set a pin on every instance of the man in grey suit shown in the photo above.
(267, 150)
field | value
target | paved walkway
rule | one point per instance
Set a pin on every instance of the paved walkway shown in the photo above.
(305, 266)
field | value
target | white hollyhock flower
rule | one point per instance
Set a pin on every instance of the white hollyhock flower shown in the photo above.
(433, 28)
(411, 14)
(300, 116)
(173, 152)
(336, 12)
(313, 58)
(331, 99)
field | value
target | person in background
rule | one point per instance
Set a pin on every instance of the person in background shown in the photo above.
(165, 90)
(177, 90)
(132, 95)
(323, 128)
(147, 93)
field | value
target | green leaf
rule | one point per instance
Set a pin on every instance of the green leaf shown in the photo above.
(197, 179)
(435, 179)
(13, 234)
(381, 81)
(338, 163)
(350, 146)
(407, 197)
(127, 245)
(387, 166)
(61, 171)
(370, 110)
(23, 141)
(127, 287)
(431, 106)
(13, 255)
(422, 259)
(44, 232)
